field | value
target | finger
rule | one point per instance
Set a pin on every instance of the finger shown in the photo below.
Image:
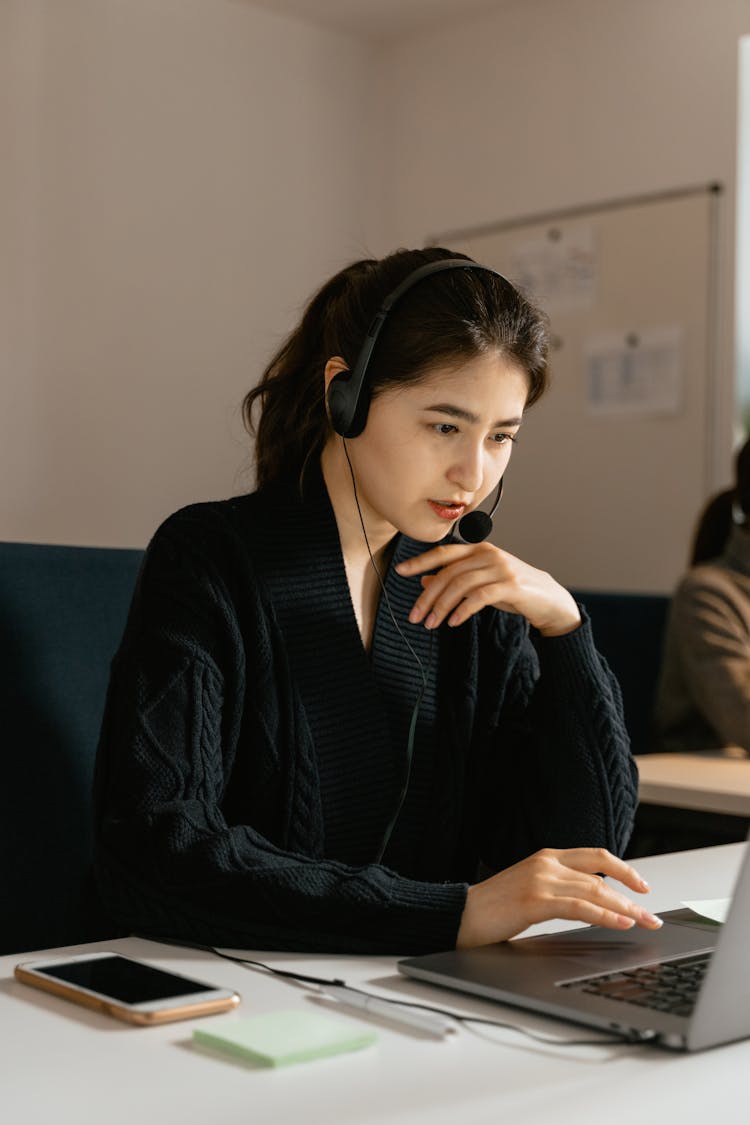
(500, 595)
(599, 860)
(580, 910)
(433, 559)
(594, 890)
(476, 568)
(447, 590)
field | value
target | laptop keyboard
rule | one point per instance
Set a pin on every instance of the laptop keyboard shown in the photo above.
(667, 986)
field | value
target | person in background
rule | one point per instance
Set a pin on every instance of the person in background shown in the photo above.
(332, 725)
(703, 699)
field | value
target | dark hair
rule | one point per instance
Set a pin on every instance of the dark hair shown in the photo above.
(717, 517)
(454, 315)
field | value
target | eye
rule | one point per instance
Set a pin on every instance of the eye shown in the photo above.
(444, 428)
(502, 439)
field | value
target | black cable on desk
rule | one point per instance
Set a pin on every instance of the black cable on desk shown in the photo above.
(549, 1040)
(622, 1040)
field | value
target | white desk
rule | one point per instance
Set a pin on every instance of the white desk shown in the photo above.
(713, 781)
(64, 1065)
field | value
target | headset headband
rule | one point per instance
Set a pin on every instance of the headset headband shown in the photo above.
(348, 402)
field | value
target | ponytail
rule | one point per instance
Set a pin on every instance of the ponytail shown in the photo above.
(292, 427)
(713, 528)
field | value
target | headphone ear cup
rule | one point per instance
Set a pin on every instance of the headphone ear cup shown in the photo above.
(338, 398)
(346, 410)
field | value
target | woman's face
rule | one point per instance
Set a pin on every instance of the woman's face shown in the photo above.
(433, 450)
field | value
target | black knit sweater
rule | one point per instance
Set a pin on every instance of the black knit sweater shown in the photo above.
(252, 752)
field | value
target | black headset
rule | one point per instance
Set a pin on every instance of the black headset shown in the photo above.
(348, 392)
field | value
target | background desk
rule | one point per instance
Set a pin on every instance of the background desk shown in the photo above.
(691, 801)
(714, 781)
(65, 1065)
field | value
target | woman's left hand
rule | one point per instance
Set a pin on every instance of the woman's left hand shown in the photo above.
(474, 575)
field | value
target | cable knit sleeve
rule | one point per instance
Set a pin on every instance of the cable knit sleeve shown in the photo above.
(207, 817)
(559, 768)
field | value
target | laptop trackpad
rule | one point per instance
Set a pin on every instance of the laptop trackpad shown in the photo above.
(595, 949)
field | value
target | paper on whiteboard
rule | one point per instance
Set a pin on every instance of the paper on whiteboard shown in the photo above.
(635, 372)
(559, 270)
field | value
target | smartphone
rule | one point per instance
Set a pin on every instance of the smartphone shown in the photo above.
(129, 990)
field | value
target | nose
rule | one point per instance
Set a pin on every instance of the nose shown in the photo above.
(467, 471)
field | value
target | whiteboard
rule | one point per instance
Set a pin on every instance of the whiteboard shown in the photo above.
(612, 465)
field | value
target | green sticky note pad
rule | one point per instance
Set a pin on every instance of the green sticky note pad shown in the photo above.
(280, 1038)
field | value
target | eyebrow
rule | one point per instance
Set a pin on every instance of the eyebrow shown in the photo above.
(467, 416)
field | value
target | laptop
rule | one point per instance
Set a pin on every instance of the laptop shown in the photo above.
(685, 986)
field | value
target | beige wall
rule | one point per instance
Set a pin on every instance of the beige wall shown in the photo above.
(548, 104)
(543, 105)
(181, 174)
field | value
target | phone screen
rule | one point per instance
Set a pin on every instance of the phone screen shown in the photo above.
(128, 981)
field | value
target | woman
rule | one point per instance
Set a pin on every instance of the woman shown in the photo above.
(330, 725)
(704, 692)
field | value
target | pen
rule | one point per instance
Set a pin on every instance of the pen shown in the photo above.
(431, 1022)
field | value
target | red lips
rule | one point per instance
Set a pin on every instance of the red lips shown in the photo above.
(446, 510)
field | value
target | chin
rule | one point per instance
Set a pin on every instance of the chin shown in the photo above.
(439, 536)
(416, 524)
(426, 534)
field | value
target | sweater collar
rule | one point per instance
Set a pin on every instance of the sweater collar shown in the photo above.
(301, 521)
(302, 554)
(351, 699)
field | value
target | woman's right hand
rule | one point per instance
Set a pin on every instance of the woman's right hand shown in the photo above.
(553, 884)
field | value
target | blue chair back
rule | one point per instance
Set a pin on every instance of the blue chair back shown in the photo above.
(62, 613)
(629, 632)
